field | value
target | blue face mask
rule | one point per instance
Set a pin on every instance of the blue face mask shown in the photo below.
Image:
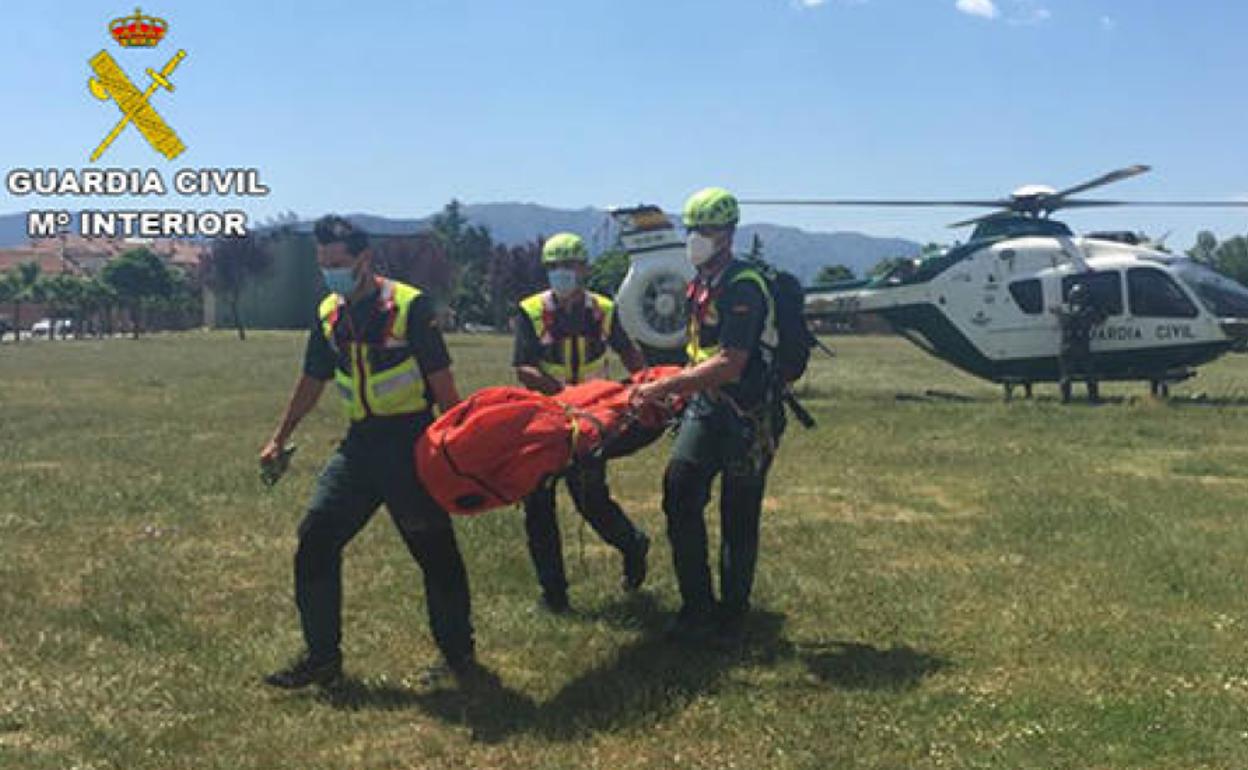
(339, 280)
(563, 281)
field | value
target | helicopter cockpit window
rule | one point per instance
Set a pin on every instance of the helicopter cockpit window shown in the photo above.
(1028, 296)
(1224, 297)
(1105, 287)
(1155, 294)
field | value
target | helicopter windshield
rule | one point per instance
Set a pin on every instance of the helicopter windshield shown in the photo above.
(1223, 296)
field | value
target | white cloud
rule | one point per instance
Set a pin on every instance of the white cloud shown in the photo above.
(1108, 24)
(983, 8)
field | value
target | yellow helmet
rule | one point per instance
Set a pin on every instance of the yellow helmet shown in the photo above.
(711, 207)
(564, 247)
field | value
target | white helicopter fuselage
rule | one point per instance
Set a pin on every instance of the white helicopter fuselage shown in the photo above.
(992, 308)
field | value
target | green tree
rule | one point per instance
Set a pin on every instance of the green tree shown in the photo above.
(96, 301)
(833, 273)
(1205, 249)
(419, 260)
(1231, 258)
(515, 273)
(607, 272)
(230, 265)
(469, 249)
(138, 277)
(63, 295)
(21, 285)
(8, 289)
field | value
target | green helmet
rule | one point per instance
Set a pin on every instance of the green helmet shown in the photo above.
(712, 207)
(564, 247)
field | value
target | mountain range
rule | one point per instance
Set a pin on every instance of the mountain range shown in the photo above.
(801, 252)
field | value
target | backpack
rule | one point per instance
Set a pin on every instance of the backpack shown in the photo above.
(791, 354)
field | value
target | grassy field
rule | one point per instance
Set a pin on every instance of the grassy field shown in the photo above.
(943, 583)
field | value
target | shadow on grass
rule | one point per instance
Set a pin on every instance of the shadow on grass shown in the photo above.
(855, 666)
(646, 681)
(1218, 401)
(943, 396)
(489, 707)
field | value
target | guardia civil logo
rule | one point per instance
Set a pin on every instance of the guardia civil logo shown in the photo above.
(111, 83)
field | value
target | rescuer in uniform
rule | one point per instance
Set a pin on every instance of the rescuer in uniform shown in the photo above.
(378, 341)
(730, 428)
(1078, 319)
(562, 338)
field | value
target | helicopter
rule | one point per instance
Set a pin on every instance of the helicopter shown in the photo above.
(989, 306)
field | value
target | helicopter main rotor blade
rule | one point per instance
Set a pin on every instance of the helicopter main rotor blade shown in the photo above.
(984, 218)
(1083, 204)
(869, 202)
(1101, 181)
(1183, 204)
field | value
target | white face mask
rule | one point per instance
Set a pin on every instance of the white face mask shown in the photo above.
(700, 248)
(563, 281)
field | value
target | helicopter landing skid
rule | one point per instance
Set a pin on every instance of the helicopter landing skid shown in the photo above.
(1159, 387)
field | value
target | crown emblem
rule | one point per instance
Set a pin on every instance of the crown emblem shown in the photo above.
(138, 31)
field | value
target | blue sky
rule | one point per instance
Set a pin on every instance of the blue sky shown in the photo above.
(395, 107)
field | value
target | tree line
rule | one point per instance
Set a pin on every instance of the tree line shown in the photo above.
(474, 279)
(1230, 257)
(478, 280)
(137, 290)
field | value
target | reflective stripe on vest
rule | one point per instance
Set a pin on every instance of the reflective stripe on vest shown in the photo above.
(770, 337)
(540, 310)
(370, 387)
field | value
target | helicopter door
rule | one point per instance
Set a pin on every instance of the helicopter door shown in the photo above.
(1162, 311)
(1118, 332)
(1022, 331)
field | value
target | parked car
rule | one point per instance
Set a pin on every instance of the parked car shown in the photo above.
(45, 327)
(5, 327)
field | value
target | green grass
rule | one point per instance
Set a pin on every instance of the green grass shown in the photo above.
(943, 583)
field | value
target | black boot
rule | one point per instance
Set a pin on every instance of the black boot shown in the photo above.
(635, 563)
(694, 626)
(555, 602)
(305, 671)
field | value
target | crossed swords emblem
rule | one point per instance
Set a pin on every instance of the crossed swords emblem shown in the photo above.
(111, 82)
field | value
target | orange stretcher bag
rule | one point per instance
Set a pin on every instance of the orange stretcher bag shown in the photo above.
(500, 444)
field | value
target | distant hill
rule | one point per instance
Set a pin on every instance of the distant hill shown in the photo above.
(805, 253)
(799, 251)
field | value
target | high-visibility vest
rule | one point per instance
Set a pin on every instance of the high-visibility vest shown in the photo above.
(573, 358)
(376, 373)
(704, 315)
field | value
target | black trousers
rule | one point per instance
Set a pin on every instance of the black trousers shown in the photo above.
(714, 440)
(587, 483)
(1075, 359)
(365, 471)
